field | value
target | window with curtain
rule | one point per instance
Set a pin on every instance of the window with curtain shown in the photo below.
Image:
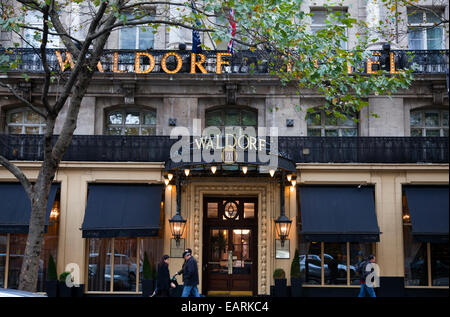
(321, 16)
(319, 123)
(429, 122)
(24, 121)
(422, 35)
(131, 122)
(139, 37)
(232, 117)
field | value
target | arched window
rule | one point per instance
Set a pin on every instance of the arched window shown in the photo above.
(320, 123)
(429, 123)
(24, 121)
(231, 117)
(131, 122)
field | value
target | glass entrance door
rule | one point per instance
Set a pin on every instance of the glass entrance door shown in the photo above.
(230, 246)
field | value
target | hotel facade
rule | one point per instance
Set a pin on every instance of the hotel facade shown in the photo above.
(346, 189)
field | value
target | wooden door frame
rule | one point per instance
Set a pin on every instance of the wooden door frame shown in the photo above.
(251, 224)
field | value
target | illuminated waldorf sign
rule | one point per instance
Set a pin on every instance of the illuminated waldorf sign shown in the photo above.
(145, 62)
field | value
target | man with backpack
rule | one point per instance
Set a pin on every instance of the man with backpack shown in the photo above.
(364, 272)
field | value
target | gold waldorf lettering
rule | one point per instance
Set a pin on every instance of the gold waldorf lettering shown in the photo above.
(201, 144)
(220, 62)
(252, 142)
(226, 140)
(218, 147)
(100, 67)
(239, 142)
(392, 62)
(179, 63)
(68, 60)
(260, 143)
(371, 62)
(210, 144)
(116, 64)
(198, 64)
(137, 63)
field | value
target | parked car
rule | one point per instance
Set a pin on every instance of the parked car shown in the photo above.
(14, 270)
(315, 268)
(7, 292)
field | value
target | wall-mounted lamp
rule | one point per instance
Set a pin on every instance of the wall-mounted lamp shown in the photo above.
(283, 223)
(244, 169)
(170, 176)
(166, 181)
(213, 169)
(177, 223)
(289, 177)
(187, 171)
(271, 172)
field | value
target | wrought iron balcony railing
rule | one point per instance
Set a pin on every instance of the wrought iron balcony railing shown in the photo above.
(105, 148)
(243, 62)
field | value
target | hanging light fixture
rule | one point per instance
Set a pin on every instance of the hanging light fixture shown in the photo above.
(271, 172)
(292, 188)
(187, 171)
(289, 177)
(170, 176)
(244, 169)
(166, 181)
(213, 169)
(169, 187)
(293, 182)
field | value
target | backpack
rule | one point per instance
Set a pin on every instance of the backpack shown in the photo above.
(362, 269)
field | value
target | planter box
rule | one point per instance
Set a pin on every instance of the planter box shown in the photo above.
(296, 287)
(148, 287)
(280, 289)
(64, 291)
(51, 288)
(78, 291)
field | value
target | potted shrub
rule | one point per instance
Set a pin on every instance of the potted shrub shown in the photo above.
(64, 291)
(51, 283)
(280, 289)
(296, 282)
(147, 277)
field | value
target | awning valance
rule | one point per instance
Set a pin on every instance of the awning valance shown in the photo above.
(15, 208)
(338, 214)
(428, 208)
(122, 210)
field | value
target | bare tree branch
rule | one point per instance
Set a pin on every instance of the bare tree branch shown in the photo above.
(18, 174)
(26, 102)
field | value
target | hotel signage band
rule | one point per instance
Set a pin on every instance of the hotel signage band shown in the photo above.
(196, 61)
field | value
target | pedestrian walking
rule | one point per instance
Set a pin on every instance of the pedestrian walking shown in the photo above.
(363, 273)
(190, 275)
(163, 282)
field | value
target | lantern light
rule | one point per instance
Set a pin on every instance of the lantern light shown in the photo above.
(244, 169)
(289, 177)
(169, 187)
(177, 225)
(293, 182)
(271, 172)
(187, 171)
(166, 181)
(283, 226)
(292, 188)
(170, 176)
(213, 169)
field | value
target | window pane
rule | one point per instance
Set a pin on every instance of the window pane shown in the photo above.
(313, 119)
(249, 118)
(310, 262)
(128, 38)
(330, 119)
(131, 131)
(49, 247)
(335, 258)
(434, 39)
(415, 39)
(218, 251)
(445, 131)
(148, 131)
(3, 241)
(32, 130)
(114, 131)
(145, 38)
(319, 17)
(439, 264)
(213, 210)
(16, 117)
(349, 132)
(232, 118)
(349, 121)
(416, 132)
(32, 117)
(415, 260)
(99, 276)
(416, 118)
(314, 132)
(16, 252)
(331, 133)
(115, 117)
(415, 16)
(125, 252)
(358, 252)
(249, 210)
(445, 118)
(433, 132)
(153, 247)
(132, 118)
(149, 117)
(432, 119)
(214, 118)
(433, 17)
(14, 129)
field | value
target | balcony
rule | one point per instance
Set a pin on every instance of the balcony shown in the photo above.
(104, 148)
(243, 62)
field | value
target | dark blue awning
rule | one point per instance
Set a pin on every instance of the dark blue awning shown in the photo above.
(122, 210)
(338, 214)
(428, 208)
(15, 208)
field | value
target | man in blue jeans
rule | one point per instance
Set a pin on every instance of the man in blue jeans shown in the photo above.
(363, 273)
(190, 275)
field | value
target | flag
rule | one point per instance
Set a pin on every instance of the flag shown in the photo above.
(232, 31)
(196, 42)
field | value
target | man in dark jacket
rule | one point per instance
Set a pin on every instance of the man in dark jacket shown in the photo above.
(190, 275)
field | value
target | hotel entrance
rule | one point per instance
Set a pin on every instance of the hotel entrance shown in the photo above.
(230, 246)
